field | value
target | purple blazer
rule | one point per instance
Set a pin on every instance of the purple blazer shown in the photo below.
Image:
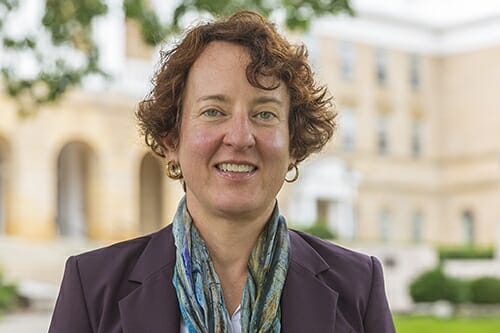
(128, 288)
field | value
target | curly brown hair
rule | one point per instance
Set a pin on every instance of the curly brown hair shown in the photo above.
(311, 120)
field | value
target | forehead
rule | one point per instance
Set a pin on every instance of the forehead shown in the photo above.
(221, 55)
(222, 66)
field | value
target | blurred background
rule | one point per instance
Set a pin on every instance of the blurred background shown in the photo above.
(411, 176)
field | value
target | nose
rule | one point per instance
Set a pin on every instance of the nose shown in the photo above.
(240, 132)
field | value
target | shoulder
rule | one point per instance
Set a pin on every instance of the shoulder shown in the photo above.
(336, 256)
(94, 282)
(352, 274)
(116, 255)
(357, 279)
(114, 265)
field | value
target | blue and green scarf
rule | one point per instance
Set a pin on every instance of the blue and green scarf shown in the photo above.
(198, 287)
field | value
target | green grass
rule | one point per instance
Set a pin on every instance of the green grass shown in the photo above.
(414, 324)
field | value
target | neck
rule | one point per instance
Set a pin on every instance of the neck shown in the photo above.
(230, 242)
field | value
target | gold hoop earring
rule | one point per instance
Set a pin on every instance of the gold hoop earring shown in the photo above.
(173, 170)
(296, 176)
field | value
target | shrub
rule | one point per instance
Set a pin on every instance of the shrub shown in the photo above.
(465, 252)
(320, 230)
(434, 285)
(458, 290)
(8, 295)
(485, 290)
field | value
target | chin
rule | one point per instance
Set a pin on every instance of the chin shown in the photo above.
(243, 209)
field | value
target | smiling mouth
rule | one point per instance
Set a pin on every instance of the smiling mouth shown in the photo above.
(232, 167)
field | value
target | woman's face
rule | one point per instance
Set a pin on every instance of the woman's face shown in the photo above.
(233, 145)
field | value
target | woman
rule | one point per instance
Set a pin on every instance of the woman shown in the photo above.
(234, 109)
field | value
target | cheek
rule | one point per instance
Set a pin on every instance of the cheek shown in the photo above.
(277, 142)
(197, 144)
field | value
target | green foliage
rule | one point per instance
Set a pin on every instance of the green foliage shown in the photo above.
(301, 19)
(320, 230)
(485, 290)
(69, 25)
(465, 252)
(8, 295)
(299, 13)
(70, 20)
(152, 30)
(434, 285)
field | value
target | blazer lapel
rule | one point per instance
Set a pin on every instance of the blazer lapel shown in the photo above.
(152, 307)
(307, 303)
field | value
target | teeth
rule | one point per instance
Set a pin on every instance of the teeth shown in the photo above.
(230, 167)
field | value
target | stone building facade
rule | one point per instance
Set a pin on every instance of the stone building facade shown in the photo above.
(79, 169)
(415, 158)
(416, 155)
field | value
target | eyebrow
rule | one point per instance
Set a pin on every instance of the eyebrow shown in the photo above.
(267, 99)
(256, 101)
(220, 98)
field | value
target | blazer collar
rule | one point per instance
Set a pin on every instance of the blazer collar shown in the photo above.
(152, 307)
(307, 303)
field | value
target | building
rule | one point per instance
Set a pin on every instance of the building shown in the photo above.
(78, 168)
(417, 134)
(416, 157)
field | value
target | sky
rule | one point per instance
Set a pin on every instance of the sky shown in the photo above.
(437, 14)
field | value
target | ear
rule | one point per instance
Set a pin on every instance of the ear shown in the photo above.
(170, 144)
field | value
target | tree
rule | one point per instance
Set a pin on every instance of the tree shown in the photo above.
(66, 28)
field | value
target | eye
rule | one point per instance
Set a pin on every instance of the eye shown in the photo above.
(265, 115)
(212, 113)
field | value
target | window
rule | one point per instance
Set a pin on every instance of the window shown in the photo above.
(416, 138)
(415, 67)
(311, 42)
(385, 225)
(347, 60)
(347, 129)
(382, 134)
(417, 227)
(381, 66)
(468, 227)
(322, 211)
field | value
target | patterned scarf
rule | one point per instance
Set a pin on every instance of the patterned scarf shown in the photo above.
(198, 287)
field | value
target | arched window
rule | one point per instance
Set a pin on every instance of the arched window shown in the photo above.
(468, 227)
(74, 169)
(151, 194)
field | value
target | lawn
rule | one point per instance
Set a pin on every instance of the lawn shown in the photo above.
(409, 324)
